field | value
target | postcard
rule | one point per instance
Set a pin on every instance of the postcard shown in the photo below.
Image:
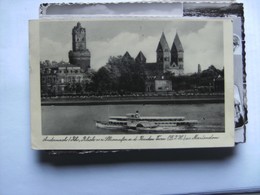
(235, 11)
(131, 83)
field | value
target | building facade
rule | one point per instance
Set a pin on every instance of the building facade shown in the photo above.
(61, 79)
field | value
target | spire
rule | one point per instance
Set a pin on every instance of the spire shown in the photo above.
(177, 43)
(127, 55)
(199, 69)
(140, 57)
(163, 45)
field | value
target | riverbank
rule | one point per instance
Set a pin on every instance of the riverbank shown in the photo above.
(133, 100)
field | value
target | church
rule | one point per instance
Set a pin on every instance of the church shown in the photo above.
(167, 61)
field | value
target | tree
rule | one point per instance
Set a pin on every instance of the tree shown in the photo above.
(103, 81)
(212, 72)
(120, 75)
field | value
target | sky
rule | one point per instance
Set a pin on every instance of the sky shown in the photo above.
(113, 9)
(205, 5)
(202, 40)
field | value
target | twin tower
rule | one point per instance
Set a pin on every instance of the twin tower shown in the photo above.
(170, 60)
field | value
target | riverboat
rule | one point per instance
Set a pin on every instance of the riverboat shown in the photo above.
(133, 121)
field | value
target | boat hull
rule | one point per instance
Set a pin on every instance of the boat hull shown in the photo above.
(165, 129)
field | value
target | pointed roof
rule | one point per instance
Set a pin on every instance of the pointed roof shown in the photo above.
(199, 68)
(127, 55)
(177, 43)
(162, 43)
(140, 57)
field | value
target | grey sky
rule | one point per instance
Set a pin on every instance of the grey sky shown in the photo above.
(204, 5)
(202, 41)
(165, 9)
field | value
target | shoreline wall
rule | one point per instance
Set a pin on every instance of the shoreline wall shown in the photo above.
(135, 100)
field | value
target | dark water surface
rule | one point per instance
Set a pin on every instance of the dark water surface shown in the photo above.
(80, 120)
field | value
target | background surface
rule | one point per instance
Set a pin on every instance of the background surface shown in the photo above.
(24, 171)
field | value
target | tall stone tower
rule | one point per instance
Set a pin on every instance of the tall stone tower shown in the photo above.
(177, 54)
(79, 55)
(163, 54)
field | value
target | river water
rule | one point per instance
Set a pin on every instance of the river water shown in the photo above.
(80, 120)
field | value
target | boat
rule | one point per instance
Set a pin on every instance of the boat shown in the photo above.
(133, 121)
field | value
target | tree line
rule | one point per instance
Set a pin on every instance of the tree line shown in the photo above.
(124, 76)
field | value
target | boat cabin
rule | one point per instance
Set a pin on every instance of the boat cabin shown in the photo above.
(133, 115)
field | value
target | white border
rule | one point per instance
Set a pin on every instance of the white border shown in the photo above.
(225, 139)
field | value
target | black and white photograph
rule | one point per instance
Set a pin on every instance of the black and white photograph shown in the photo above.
(133, 77)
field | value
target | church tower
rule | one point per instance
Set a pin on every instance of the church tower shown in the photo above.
(177, 54)
(80, 55)
(163, 54)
